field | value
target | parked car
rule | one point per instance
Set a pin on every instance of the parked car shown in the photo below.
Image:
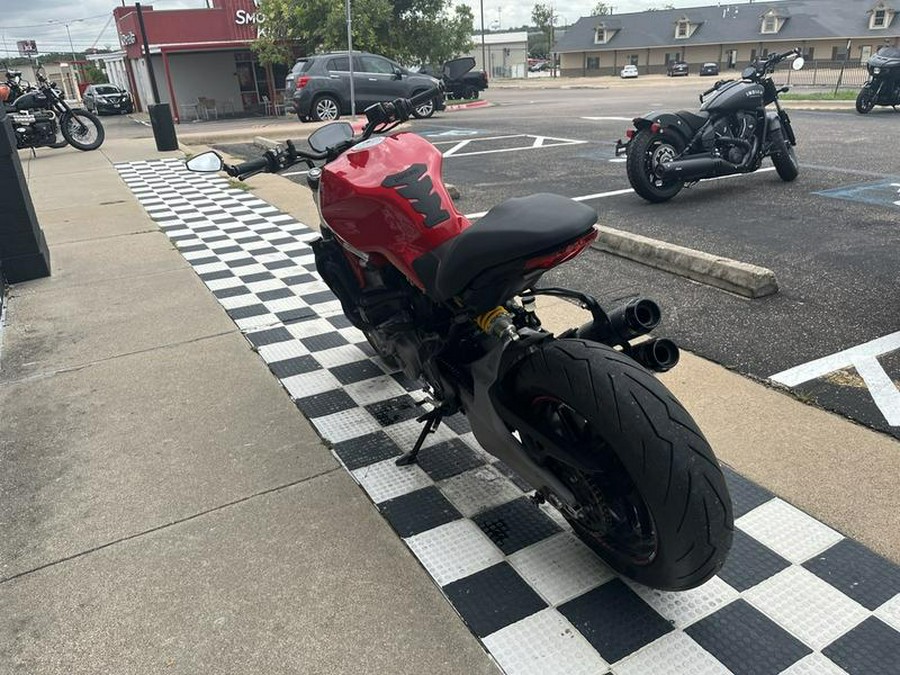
(318, 87)
(709, 69)
(107, 98)
(629, 71)
(460, 81)
(677, 68)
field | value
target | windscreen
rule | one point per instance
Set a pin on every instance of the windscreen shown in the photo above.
(889, 52)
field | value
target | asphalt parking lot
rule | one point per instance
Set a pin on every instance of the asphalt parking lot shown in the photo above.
(830, 237)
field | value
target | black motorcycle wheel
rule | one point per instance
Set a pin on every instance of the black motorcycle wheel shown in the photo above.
(658, 511)
(645, 152)
(865, 101)
(786, 163)
(82, 129)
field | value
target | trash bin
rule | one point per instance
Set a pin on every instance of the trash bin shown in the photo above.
(163, 127)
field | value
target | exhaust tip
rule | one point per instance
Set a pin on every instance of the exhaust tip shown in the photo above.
(643, 315)
(658, 355)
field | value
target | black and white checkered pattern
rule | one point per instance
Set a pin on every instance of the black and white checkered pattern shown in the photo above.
(794, 597)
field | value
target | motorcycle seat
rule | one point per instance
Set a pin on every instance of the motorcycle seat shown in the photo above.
(517, 228)
(695, 120)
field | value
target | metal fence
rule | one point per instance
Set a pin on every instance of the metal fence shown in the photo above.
(824, 74)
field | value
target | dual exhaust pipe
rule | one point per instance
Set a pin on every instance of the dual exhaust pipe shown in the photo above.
(634, 318)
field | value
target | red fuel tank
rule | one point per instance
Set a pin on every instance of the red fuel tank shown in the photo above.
(385, 197)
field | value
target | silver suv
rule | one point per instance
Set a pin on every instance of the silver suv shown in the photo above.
(319, 86)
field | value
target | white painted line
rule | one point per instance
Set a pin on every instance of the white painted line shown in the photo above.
(618, 160)
(609, 119)
(616, 193)
(539, 142)
(458, 146)
(480, 138)
(884, 393)
(844, 359)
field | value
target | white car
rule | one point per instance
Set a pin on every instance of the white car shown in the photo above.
(629, 71)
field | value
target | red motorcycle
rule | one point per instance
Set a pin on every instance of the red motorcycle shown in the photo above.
(577, 415)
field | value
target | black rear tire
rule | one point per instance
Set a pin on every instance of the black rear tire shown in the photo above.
(786, 163)
(651, 448)
(82, 129)
(645, 152)
(865, 101)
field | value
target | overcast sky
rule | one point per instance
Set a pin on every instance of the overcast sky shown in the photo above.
(42, 20)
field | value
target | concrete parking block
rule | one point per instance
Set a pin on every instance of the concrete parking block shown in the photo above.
(307, 579)
(74, 325)
(739, 277)
(133, 443)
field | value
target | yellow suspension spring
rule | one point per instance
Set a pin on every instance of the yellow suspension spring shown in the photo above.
(485, 320)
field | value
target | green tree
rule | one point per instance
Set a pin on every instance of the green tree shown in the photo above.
(602, 9)
(544, 19)
(410, 31)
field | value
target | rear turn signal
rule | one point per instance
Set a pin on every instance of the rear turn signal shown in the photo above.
(302, 81)
(654, 128)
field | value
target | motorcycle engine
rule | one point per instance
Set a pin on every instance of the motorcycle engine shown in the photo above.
(740, 125)
(35, 129)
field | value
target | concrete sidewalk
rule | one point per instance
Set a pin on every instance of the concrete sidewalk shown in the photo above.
(164, 505)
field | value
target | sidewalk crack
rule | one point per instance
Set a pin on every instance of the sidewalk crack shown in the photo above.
(179, 521)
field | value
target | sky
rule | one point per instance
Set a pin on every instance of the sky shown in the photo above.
(90, 21)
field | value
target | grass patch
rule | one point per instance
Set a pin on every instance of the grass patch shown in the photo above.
(842, 95)
(238, 184)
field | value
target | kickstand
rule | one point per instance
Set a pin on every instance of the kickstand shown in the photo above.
(432, 420)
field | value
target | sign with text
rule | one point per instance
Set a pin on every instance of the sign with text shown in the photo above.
(27, 47)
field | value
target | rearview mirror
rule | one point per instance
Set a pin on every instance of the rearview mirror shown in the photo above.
(398, 74)
(798, 63)
(205, 162)
(330, 135)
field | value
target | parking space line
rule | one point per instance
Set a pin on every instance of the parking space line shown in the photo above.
(480, 138)
(458, 146)
(625, 191)
(609, 119)
(864, 359)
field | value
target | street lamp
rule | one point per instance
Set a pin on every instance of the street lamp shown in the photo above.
(72, 47)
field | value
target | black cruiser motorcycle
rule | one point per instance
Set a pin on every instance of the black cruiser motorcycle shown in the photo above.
(40, 114)
(883, 87)
(731, 134)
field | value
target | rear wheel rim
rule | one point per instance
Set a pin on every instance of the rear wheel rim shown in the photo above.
(658, 153)
(326, 109)
(613, 512)
(425, 109)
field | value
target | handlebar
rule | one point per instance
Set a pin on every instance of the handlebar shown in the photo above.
(380, 117)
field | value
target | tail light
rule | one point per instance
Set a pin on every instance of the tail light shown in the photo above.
(302, 81)
(629, 134)
(654, 128)
(546, 262)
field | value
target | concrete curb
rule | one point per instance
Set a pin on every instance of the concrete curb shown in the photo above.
(263, 142)
(738, 277)
(467, 106)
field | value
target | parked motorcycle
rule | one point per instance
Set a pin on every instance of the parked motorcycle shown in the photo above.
(39, 115)
(732, 133)
(577, 415)
(883, 87)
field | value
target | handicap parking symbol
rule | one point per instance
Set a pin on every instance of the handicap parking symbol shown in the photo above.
(882, 193)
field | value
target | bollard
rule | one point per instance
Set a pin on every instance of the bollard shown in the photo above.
(23, 250)
(163, 127)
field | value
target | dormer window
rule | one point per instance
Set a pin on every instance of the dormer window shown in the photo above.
(881, 16)
(605, 32)
(773, 21)
(682, 29)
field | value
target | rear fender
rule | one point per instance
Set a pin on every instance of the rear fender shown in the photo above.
(669, 123)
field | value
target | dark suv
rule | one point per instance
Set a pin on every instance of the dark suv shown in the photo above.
(677, 68)
(107, 98)
(319, 86)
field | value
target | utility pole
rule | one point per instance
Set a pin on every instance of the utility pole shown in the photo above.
(550, 47)
(146, 50)
(350, 60)
(483, 57)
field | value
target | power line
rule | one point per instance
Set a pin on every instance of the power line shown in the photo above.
(58, 22)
